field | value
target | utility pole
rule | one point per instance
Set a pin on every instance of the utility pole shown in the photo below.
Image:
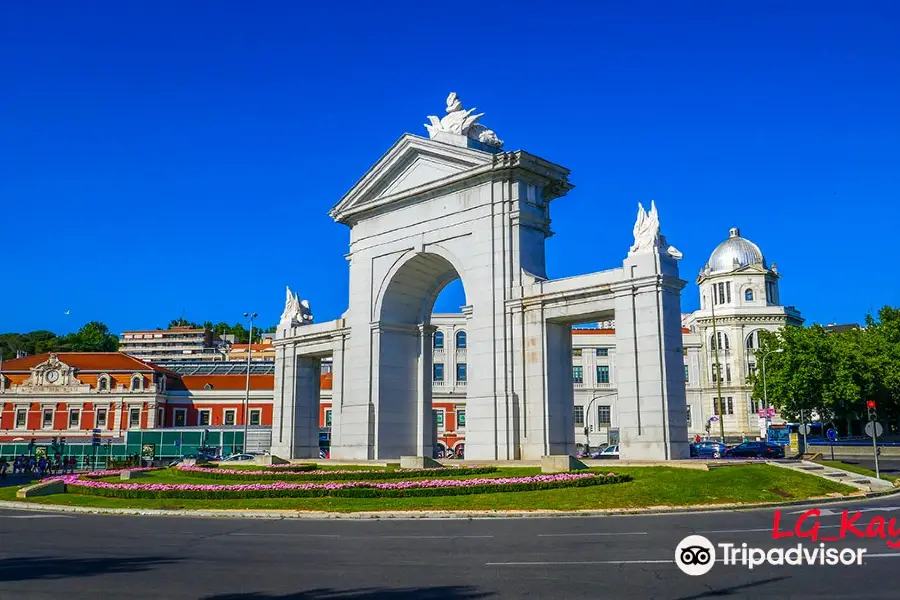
(717, 370)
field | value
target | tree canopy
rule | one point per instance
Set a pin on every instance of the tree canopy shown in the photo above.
(833, 373)
(92, 337)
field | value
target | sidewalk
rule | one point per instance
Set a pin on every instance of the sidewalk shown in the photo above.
(862, 482)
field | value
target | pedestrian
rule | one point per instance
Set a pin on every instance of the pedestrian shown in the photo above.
(4, 465)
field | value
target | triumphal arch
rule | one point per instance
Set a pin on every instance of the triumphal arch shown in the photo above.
(456, 205)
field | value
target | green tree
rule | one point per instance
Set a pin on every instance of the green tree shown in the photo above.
(93, 337)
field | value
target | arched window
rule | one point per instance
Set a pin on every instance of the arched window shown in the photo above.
(208, 386)
(753, 340)
(103, 382)
(461, 339)
(748, 294)
(438, 340)
(723, 342)
(136, 382)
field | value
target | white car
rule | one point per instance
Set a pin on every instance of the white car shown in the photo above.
(238, 457)
(611, 452)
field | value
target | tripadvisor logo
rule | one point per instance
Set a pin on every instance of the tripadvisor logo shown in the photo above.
(695, 555)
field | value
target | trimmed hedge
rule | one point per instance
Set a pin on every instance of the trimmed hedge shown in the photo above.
(253, 468)
(358, 492)
(338, 475)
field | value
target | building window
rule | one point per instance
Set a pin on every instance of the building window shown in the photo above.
(716, 369)
(461, 371)
(729, 405)
(48, 418)
(576, 351)
(602, 373)
(688, 413)
(751, 369)
(134, 417)
(438, 369)
(461, 418)
(602, 351)
(578, 374)
(461, 339)
(438, 419)
(604, 416)
(203, 416)
(21, 418)
(136, 382)
(770, 292)
(687, 374)
(230, 416)
(724, 343)
(180, 417)
(101, 417)
(753, 340)
(728, 373)
(74, 418)
(328, 414)
(255, 416)
(748, 295)
(579, 416)
(728, 292)
(438, 340)
(754, 405)
(103, 382)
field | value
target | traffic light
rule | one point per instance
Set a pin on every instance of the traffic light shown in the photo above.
(870, 404)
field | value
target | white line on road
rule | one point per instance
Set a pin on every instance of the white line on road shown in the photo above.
(590, 534)
(315, 535)
(366, 537)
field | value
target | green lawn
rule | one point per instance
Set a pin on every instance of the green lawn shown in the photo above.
(652, 487)
(858, 469)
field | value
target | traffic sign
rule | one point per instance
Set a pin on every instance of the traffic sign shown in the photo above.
(98, 431)
(831, 434)
(877, 427)
(713, 419)
(804, 429)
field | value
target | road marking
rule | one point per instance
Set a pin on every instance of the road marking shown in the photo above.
(590, 534)
(36, 517)
(418, 537)
(756, 530)
(315, 535)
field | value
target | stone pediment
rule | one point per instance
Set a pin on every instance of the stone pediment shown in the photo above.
(413, 165)
(53, 375)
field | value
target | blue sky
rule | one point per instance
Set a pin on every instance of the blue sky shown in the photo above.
(164, 158)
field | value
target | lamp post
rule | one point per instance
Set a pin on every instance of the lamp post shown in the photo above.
(251, 316)
(764, 355)
(717, 369)
(587, 416)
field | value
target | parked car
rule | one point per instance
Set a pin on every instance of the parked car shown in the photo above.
(707, 449)
(239, 457)
(198, 456)
(610, 452)
(756, 450)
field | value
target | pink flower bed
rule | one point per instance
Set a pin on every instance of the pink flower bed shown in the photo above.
(114, 472)
(274, 470)
(281, 485)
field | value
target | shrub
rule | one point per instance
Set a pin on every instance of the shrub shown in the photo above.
(222, 473)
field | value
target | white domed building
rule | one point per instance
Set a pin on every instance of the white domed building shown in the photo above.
(739, 297)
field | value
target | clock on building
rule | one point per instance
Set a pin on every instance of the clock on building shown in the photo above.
(51, 376)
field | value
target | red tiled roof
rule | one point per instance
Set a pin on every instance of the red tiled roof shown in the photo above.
(227, 382)
(256, 347)
(594, 330)
(86, 361)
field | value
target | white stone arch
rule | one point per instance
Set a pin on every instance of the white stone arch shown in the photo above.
(409, 289)
(751, 340)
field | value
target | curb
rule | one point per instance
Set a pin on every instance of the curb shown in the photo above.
(431, 515)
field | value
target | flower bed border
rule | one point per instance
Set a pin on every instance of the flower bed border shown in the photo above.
(348, 475)
(547, 482)
(298, 468)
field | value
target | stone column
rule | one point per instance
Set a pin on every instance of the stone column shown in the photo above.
(424, 390)
(295, 414)
(651, 393)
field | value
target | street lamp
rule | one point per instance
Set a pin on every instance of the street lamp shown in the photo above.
(251, 316)
(587, 416)
(765, 390)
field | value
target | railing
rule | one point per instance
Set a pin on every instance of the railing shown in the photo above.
(436, 383)
(461, 352)
(460, 383)
(578, 384)
(603, 384)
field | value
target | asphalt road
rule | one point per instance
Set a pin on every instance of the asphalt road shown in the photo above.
(887, 464)
(52, 556)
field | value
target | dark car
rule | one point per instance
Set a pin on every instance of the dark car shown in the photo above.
(755, 450)
(707, 450)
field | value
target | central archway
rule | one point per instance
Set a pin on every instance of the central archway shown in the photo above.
(403, 343)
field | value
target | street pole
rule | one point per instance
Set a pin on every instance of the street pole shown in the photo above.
(875, 449)
(765, 355)
(587, 423)
(247, 395)
(718, 370)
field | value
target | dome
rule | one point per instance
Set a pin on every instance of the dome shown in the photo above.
(734, 253)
